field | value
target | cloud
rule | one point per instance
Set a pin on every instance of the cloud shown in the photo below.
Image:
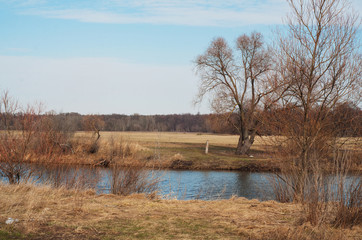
(187, 12)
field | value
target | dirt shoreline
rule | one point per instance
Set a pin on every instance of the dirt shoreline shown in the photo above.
(252, 165)
(164, 150)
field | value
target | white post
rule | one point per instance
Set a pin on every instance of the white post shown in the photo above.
(207, 147)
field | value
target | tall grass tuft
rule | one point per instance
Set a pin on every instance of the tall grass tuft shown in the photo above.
(133, 179)
(325, 197)
(348, 210)
(70, 177)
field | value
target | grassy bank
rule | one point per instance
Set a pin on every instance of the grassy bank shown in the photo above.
(169, 150)
(46, 213)
(187, 150)
(173, 150)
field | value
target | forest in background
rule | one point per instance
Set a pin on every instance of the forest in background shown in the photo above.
(346, 119)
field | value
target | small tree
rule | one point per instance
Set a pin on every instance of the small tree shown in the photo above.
(93, 123)
(26, 134)
(19, 128)
(237, 82)
(321, 66)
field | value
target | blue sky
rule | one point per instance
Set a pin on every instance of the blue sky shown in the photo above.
(114, 56)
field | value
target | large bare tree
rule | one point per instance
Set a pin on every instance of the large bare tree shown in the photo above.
(236, 81)
(319, 62)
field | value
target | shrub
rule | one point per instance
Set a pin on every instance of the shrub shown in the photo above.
(135, 179)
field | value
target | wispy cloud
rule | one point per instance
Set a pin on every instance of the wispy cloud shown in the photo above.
(178, 12)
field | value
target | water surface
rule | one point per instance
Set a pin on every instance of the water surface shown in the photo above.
(175, 184)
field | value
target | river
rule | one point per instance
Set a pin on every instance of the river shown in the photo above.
(171, 184)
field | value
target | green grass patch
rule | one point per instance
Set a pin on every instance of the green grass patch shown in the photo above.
(11, 234)
(164, 228)
(123, 229)
(219, 157)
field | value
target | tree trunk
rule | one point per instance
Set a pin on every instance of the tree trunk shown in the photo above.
(98, 134)
(244, 145)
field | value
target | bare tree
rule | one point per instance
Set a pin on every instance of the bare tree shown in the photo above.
(19, 128)
(320, 65)
(93, 123)
(25, 135)
(236, 81)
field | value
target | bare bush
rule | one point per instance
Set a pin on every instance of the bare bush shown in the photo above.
(27, 135)
(177, 157)
(70, 177)
(93, 147)
(52, 138)
(318, 196)
(135, 179)
(16, 139)
(348, 207)
(122, 149)
(326, 197)
(85, 145)
(282, 188)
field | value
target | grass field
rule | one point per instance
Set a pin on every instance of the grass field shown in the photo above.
(187, 150)
(177, 150)
(46, 213)
(177, 137)
(261, 143)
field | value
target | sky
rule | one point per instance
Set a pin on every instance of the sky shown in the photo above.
(116, 56)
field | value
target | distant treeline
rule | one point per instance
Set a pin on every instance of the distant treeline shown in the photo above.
(346, 120)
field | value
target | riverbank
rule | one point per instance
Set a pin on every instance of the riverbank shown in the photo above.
(166, 150)
(45, 213)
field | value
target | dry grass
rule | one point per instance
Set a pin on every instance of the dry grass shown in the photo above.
(164, 150)
(226, 140)
(178, 150)
(129, 180)
(176, 137)
(177, 156)
(46, 213)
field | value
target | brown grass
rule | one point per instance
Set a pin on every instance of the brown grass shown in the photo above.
(176, 137)
(178, 150)
(325, 198)
(46, 213)
(129, 180)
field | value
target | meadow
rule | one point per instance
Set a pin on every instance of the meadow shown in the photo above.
(46, 213)
(177, 150)
(69, 212)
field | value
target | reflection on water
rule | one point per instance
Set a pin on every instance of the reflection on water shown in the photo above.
(215, 184)
(179, 184)
(68, 176)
